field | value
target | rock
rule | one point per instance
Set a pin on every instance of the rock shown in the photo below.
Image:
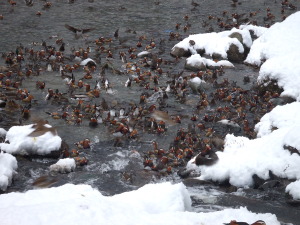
(257, 181)
(195, 66)
(291, 149)
(237, 36)
(179, 52)
(191, 182)
(231, 189)
(234, 55)
(195, 84)
(183, 173)
(295, 203)
(269, 184)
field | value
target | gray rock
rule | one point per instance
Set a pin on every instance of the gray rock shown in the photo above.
(234, 55)
(196, 67)
(237, 36)
(180, 52)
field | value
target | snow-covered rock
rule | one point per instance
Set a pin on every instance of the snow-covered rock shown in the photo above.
(277, 51)
(8, 167)
(64, 166)
(229, 45)
(31, 140)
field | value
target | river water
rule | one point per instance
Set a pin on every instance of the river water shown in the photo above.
(115, 169)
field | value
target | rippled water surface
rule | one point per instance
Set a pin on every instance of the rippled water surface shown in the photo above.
(114, 169)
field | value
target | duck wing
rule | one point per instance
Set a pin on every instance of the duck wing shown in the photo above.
(73, 29)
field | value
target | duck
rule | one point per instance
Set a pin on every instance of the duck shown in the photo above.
(40, 129)
(44, 181)
(78, 32)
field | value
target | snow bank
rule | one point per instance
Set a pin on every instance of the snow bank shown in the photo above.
(80, 204)
(64, 165)
(21, 143)
(215, 42)
(280, 47)
(242, 158)
(8, 166)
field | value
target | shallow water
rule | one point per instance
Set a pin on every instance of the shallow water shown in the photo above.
(117, 169)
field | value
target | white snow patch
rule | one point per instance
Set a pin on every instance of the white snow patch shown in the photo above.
(153, 204)
(64, 165)
(21, 143)
(215, 42)
(8, 167)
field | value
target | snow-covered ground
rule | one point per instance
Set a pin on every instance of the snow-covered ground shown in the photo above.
(81, 204)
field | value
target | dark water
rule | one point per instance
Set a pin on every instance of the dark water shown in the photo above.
(117, 169)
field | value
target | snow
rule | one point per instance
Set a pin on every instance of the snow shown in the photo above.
(21, 143)
(196, 59)
(64, 165)
(294, 189)
(242, 157)
(8, 166)
(215, 42)
(280, 47)
(257, 30)
(163, 203)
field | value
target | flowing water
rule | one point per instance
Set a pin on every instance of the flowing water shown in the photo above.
(114, 169)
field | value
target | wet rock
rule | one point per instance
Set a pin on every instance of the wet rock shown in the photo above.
(195, 66)
(292, 202)
(257, 181)
(180, 52)
(234, 55)
(183, 173)
(269, 184)
(231, 189)
(190, 182)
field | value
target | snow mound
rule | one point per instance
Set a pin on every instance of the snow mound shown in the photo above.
(153, 204)
(64, 165)
(196, 59)
(21, 143)
(8, 166)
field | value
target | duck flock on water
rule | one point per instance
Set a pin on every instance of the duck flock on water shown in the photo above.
(145, 67)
